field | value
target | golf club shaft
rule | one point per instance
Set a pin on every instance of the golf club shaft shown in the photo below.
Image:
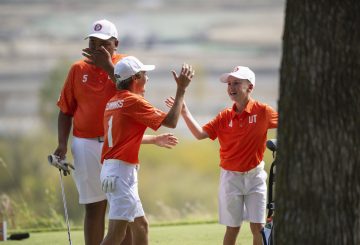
(65, 207)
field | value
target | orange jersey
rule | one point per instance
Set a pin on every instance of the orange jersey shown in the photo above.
(84, 95)
(126, 118)
(242, 137)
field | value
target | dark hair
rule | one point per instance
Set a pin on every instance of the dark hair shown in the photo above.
(125, 84)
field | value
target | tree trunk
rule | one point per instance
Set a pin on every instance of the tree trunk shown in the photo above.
(318, 172)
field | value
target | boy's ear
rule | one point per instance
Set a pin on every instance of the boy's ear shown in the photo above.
(251, 86)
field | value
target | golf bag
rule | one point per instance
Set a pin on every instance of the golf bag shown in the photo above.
(269, 229)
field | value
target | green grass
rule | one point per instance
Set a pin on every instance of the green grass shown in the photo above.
(190, 234)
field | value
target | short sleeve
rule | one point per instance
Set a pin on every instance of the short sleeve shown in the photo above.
(67, 102)
(143, 112)
(272, 117)
(211, 128)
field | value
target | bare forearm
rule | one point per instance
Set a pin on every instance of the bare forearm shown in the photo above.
(173, 115)
(110, 71)
(193, 125)
(64, 127)
(148, 139)
(182, 81)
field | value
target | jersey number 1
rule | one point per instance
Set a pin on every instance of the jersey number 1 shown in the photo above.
(110, 140)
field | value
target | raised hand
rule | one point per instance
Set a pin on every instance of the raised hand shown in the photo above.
(186, 74)
(99, 57)
(169, 102)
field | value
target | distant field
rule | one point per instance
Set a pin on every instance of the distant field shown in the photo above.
(193, 234)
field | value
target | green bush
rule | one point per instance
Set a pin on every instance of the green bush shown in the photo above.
(176, 184)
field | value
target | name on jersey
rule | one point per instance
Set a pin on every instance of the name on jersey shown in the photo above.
(114, 105)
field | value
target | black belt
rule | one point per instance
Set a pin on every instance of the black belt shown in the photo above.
(99, 139)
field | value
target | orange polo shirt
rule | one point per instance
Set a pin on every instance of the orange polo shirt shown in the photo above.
(242, 136)
(86, 90)
(127, 115)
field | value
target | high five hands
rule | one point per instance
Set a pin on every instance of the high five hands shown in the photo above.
(186, 74)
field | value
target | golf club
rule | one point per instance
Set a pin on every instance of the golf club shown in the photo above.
(55, 162)
(65, 207)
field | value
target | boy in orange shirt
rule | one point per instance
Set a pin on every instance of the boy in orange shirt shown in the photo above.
(82, 103)
(127, 115)
(241, 131)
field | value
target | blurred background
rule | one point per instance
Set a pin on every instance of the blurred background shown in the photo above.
(40, 39)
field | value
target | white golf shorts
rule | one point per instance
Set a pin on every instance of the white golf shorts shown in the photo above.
(124, 201)
(87, 153)
(242, 196)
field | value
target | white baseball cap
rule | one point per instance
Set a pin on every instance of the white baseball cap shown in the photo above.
(103, 29)
(129, 66)
(241, 72)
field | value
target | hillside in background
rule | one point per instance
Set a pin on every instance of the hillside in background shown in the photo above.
(214, 36)
(39, 40)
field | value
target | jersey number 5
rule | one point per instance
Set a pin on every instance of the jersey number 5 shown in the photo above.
(85, 77)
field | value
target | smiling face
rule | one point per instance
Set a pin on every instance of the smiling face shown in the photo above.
(238, 89)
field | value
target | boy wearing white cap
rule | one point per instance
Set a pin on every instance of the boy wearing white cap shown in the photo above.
(241, 131)
(127, 115)
(82, 103)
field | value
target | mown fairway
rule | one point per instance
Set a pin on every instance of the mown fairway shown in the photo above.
(194, 234)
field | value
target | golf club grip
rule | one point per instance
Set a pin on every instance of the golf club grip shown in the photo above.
(271, 144)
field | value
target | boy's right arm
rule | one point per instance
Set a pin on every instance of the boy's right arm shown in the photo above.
(182, 82)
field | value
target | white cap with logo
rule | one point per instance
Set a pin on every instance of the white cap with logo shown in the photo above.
(103, 29)
(129, 66)
(241, 72)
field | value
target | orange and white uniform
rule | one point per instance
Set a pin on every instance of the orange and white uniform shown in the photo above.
(85, 93)
(242, 138)
(127, 115)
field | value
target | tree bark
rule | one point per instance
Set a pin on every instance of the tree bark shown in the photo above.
(318, 171)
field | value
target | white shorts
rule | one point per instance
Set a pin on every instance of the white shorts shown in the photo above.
(124, 201)
(87, 153)
(242, 196)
